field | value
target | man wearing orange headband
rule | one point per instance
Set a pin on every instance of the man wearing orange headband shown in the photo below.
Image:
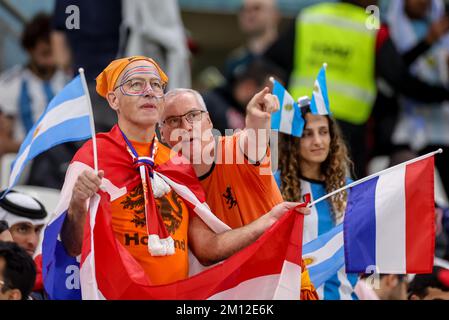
(149, 218)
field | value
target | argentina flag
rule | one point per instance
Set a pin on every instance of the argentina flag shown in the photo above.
(288, 119)
(65, 119)
(320, 99)
(325, 260)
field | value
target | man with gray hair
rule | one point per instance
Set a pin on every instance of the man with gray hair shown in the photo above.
(235, 171)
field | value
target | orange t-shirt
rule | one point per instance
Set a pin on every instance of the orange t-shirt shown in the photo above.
(237, 191)
(129, 226)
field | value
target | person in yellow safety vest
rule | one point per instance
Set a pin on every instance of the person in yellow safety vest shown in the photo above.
(358, 52)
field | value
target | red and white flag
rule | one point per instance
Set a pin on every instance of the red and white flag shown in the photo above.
(270, 268)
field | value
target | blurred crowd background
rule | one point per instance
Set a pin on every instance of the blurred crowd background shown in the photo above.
(227, 50)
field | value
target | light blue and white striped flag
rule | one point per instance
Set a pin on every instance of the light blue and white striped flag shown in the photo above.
(320, 99)
(288, 119)
(325, 255)
(65, 119)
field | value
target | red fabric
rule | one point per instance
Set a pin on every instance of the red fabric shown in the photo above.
(443, 277)
(382, 35)
(39, 283)
(119, 276)
(420, 216)
(117, 163)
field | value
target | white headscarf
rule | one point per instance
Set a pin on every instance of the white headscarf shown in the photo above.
(26, 202)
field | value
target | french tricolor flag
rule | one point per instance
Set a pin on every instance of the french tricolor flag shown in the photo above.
(389, 224)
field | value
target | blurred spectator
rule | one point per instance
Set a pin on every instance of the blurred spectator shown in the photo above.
(17, 272)
(7, 142)
(25, 216)
(385, 287)
(91, 47)
(26, 90)
(322, 33)
(227, 103)
(441, 231)
(433, 286)
(386, 109)
(95, 43)
(419, 29)
(445, 229)
(155, 29)
(258, 21)
(5, 235)
(49, 168)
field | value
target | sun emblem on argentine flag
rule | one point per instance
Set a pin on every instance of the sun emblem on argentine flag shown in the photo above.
(309, 260)
(36, 132)
(288, 107)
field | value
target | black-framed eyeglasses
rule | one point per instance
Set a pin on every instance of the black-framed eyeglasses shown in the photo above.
(191, 117)
(139, 86)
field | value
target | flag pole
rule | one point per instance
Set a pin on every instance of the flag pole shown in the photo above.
(353, 184)
(91, 118)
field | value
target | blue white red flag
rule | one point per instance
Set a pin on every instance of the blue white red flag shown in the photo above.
(389, 224)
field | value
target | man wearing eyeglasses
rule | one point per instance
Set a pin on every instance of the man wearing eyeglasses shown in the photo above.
(148, 218)
(235, 171)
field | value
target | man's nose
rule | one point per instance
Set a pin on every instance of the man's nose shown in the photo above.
(186, 124)
(33, 240)
(149, 92)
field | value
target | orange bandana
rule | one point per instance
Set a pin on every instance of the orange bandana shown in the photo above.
(107, 79)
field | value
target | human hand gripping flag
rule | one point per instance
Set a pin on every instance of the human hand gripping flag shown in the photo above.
(269, 268)
(288, 119)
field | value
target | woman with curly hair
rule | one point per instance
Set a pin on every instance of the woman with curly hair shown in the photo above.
(318, 163)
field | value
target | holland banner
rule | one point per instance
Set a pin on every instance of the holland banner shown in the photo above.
(267, 269)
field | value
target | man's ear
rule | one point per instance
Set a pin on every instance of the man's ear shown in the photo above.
(14, 294)
(414, 297)
(112, 100)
